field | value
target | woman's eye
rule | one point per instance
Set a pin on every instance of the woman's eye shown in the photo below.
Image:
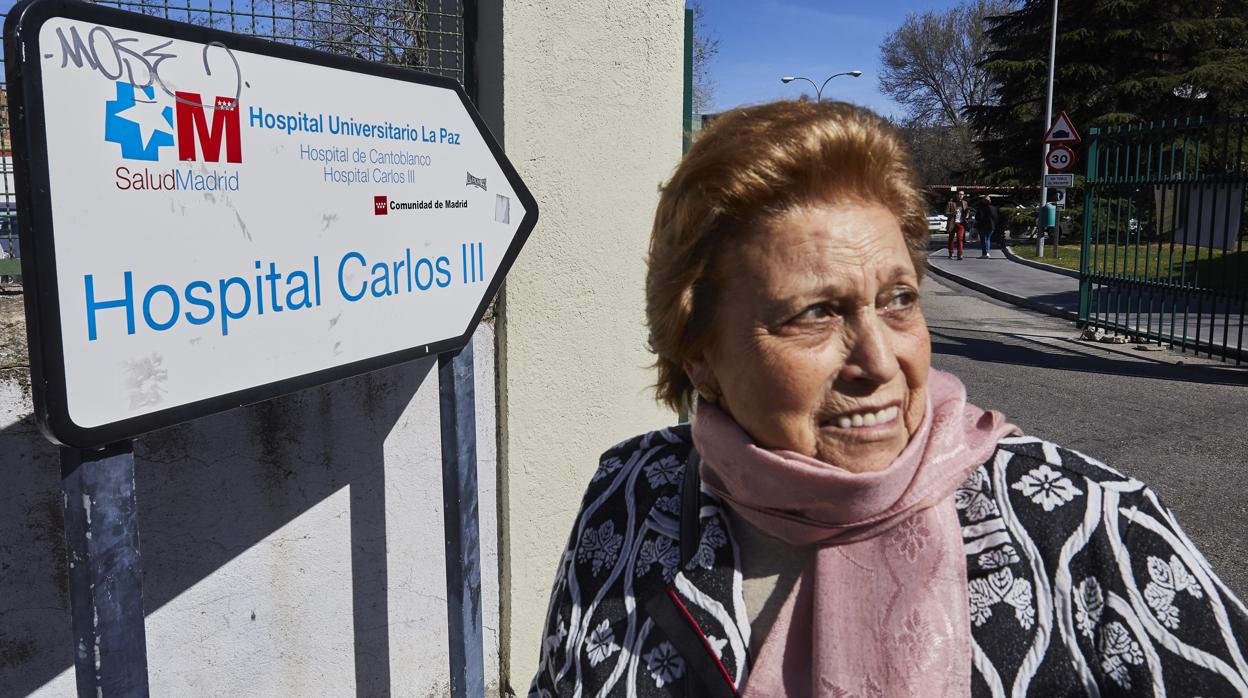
(813, 313)
(903, 299)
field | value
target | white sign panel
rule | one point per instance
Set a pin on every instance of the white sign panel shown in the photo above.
(232, 219)
(1061, 181)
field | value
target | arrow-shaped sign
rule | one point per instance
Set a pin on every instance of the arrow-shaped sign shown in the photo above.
(240, 221)
(1062, 131)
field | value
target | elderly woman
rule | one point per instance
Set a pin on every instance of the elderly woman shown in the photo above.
(839, 520)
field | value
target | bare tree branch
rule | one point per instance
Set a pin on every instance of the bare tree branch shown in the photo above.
(932, 63)
(705, 46)
(388, 31)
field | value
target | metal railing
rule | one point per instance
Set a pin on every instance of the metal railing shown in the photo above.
(1165, 233)
(427, 35)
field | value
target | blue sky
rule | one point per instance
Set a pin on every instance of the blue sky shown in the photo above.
(762, 40)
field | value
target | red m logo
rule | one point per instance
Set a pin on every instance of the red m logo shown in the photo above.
(193, 126)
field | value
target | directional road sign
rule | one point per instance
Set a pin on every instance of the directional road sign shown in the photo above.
(1057, 197)
(210, 220)
(1059, 180)
(1062, 131)
(1060, 158)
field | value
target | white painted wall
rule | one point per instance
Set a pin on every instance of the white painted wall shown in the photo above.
(249, 523)
(592, 114)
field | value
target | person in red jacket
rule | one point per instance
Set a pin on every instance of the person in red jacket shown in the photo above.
(958, 213)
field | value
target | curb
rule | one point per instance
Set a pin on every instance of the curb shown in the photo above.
(1009, 254)
(1021, 301)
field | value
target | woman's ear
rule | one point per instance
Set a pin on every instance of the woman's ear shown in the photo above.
(702, 377)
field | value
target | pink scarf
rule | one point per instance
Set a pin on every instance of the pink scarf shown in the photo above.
(882, 610)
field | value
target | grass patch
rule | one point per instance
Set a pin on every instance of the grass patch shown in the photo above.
(1195, 267)
(1067, 256)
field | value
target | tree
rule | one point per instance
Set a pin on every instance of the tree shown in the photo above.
(396, 32)
(705, 46)
(942, 154)
(422, 34)
(932, 67)
(1121, 62)
(932, 63)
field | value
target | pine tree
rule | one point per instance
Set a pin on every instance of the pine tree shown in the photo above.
(1118, 62)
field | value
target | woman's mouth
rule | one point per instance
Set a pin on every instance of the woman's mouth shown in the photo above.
(867, 418)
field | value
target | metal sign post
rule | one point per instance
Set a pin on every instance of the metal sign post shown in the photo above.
(463, 539)
(211, 220)
(105, 571)
(1058, 160)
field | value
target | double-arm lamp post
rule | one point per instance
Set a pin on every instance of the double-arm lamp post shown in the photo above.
(819, 88)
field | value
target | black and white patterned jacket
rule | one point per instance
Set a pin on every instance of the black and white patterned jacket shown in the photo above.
(1081, 583)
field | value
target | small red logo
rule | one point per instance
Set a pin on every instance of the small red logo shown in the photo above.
(381, 206)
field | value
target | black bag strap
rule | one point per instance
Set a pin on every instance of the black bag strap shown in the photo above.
(690, 508)
(690, 536)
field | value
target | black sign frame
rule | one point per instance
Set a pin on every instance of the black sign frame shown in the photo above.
(37, 238)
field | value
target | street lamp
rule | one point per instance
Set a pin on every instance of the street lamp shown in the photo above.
(819, 88)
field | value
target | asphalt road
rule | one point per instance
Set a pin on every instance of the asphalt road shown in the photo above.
(1178, 423)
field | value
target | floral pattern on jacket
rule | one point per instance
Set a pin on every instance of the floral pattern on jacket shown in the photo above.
(1080, 583)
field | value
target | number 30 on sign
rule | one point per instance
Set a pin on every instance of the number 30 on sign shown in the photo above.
(1060, 158)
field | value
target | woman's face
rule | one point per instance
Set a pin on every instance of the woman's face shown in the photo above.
(817, 343)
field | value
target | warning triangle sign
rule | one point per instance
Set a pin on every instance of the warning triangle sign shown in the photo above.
(1062, 131)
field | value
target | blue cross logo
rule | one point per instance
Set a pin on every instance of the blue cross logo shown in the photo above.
(139, 115)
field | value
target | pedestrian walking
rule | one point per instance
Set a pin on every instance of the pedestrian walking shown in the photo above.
(986, 223)
(957, 211)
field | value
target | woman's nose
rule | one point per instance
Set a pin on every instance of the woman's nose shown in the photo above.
(870, 357)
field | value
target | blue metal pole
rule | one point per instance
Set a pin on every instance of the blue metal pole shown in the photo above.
(463, 538)
(105, 572)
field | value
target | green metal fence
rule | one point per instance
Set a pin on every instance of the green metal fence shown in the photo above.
(427, 35)
(1164, 234)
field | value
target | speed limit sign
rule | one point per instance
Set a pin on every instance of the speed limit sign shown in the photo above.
(1060, 158)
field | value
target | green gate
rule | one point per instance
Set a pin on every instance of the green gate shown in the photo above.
(1163, 258)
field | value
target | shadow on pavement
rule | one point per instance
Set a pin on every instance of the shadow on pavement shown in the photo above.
(1066, 300)
(986, 346)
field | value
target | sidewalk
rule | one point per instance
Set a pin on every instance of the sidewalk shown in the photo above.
(1012, 282)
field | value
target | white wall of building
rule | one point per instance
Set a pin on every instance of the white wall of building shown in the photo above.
(592, 114)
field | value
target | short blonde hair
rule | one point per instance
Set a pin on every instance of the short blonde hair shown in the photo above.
(748, 167)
